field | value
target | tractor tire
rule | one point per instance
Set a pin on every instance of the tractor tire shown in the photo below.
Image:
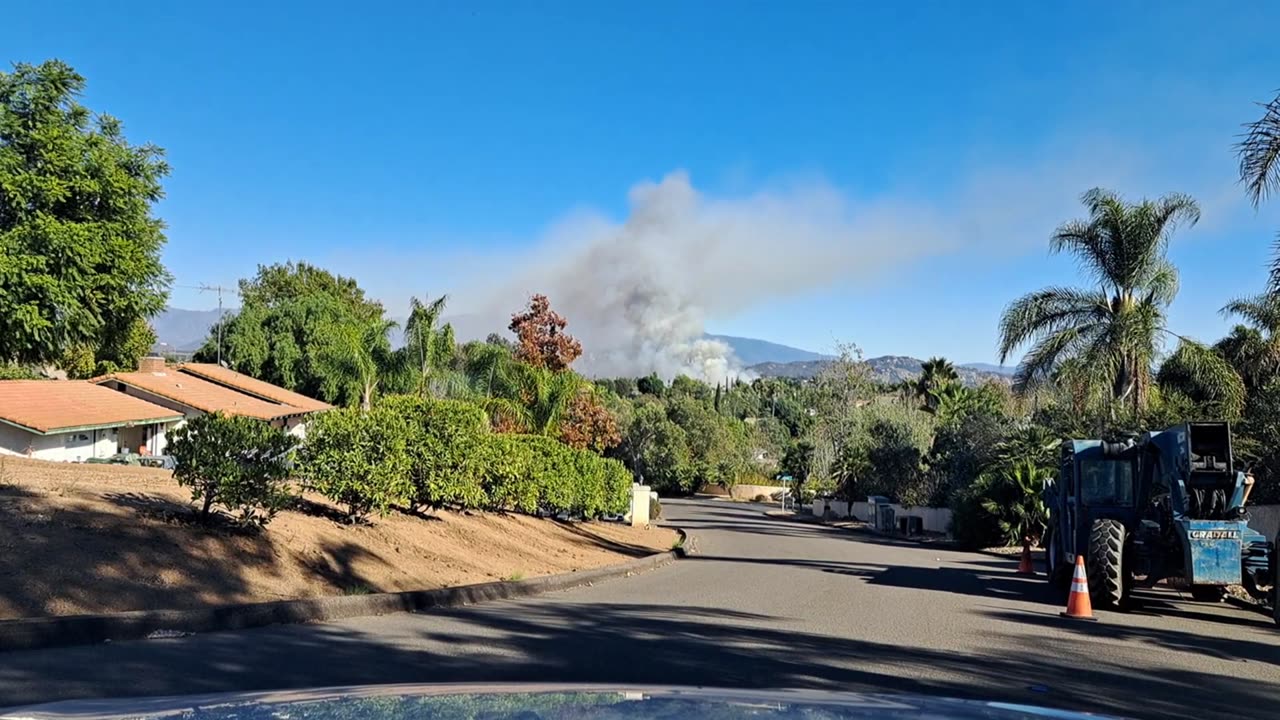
(1105, 563)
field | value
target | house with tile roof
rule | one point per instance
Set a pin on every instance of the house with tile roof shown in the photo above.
(76, 420)
(194, 389)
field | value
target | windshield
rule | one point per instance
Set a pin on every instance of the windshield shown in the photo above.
(1106, 482)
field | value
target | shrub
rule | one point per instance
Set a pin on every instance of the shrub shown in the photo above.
(1002, 506)
(528, 473)
(507, 473)
(655, 509)
(445, 442)
(359, 459)
(237, 462)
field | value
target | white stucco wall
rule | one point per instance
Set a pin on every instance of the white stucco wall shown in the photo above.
(935, 520)
(60, 447)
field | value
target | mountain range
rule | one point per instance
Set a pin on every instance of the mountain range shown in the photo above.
(179, 330)
(887, 369)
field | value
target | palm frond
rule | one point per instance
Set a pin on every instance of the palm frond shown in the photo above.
(1259, 153)
(1162, 285)
(1204, 375)
(1259, 311)
(1048, 311)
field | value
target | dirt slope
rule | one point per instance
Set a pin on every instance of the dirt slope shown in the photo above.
(95, 538)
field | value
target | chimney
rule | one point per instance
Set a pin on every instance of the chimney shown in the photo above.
(151, 364)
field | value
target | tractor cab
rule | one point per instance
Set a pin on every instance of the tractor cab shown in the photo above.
(1096, 479)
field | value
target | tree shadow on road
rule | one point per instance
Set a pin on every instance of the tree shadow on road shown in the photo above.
(623, 644)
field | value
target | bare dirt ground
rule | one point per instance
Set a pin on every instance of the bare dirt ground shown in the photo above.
(80, 539)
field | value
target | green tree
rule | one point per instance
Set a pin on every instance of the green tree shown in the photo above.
(1116, 329)
(234, 461)
(309, 330)
(657, 451)
(79, 244)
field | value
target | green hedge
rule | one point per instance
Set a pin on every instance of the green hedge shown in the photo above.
(412, 451)
(528, 473)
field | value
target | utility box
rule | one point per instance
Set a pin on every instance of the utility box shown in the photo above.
(639, 515)
(880, 513)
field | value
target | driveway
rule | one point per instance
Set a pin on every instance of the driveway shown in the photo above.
(762, 602)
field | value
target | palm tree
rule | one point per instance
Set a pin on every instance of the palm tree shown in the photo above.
(1116, 328)
(430, 349)
(935, 374)
(1013, 498)
(353, 357)
(1259, 154)
(1253, 348)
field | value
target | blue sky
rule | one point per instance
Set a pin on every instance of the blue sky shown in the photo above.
(430, 147)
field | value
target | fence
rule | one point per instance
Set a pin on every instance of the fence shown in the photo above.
(934, 520)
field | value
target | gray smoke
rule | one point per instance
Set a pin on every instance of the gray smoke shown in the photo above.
(637, 293)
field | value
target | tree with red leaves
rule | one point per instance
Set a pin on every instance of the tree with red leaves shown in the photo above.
(588, 424)
(541, 339)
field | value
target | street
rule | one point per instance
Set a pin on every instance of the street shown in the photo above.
(760, 602)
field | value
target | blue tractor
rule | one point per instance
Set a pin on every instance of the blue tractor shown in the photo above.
(1166, 505)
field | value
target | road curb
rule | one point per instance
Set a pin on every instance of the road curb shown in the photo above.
(45, 632)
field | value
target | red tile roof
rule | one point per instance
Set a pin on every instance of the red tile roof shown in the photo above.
(252, 386)
(46, 406)
(202, 395)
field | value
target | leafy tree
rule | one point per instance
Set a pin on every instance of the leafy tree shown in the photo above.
(717, 445)
(588, 424)
(234, 461)
(657, 451)
(651, 385)
(309, 330)
(1117, 329)
(686, 386)
(79, 246)
(359, 459)
(541, 338)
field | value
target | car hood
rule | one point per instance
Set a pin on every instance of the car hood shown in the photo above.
(531, 702)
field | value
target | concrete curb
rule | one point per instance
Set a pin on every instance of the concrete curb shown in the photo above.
(44, 632)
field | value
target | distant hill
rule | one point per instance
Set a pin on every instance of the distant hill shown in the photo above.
(887, 369)
(989, 368)
(752, 351)
(183, 330)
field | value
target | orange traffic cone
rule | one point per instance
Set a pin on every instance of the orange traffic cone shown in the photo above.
(1078, 605)
(1025, 567)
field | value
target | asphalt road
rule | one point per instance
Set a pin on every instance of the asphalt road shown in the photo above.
(760, 603)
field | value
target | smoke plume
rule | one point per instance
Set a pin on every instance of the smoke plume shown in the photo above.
(637, 293)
